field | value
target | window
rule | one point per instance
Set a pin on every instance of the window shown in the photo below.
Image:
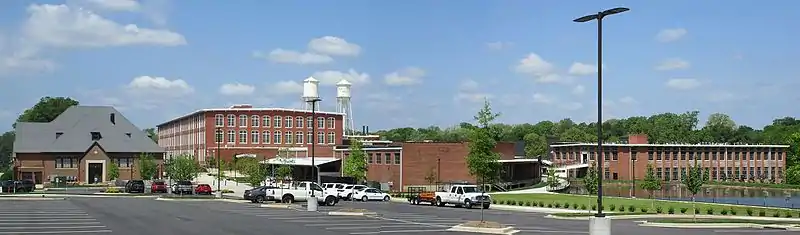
(388, 157)
(231, 120)
(242, 120)
(650, 155)
(231, 136)
(96, 135)
(219, 120)
(309, 123)
(396, 158)
(277, 121)
(67, 162)
(276, 137)
(300, 122)
(321, 122)
(218, 137)
(320, 137)
(265, 140)
(378, 159)
(123, 162)
(299, 137)
(254, 136)
(331, 138)
(255, 121)
(309, 137)
(242, 137)
(266, 121)
(331, 122)
(289, 138)
(369, 158)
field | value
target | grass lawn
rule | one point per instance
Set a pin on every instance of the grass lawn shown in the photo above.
(590, 202)
(720, 221)
(609, 214)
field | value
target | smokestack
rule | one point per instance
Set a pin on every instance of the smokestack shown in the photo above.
(363, 130)
(112, 118)
(367, 132)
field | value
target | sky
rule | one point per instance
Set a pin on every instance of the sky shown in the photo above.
(412, 63)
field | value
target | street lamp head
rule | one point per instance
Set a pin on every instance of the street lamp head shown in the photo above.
(614, 11)
(601, 14)
(585, 18)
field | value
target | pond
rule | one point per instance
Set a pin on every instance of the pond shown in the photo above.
(715, 194)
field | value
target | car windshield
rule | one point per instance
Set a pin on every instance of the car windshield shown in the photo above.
(340, 186)
(470, 189)
(348, 187)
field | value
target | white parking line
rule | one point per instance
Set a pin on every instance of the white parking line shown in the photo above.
(328, 221)
(380, 227)
(54, 227)
(2, 213)
(750, 231)
(402, 231)
(553, 231)
(48, 223)
(44, 220)
(56, 232)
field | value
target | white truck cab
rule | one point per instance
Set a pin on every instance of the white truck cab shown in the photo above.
(302, 191)
(464, 195)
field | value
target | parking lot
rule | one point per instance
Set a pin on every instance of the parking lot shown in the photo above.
(46, 217)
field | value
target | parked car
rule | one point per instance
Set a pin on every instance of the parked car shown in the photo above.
(371, 194)
(11, 186)
(183, 187)
(347, 193)
(28, 185)
(203, 189)
(333, 188)
(158, 187)
(260, 194)
(302, 191)
(464, 195)
(134, 186)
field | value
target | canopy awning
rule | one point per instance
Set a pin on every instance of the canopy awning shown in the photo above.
(302, 161)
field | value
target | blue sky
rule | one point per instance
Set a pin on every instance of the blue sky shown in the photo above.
(413, 63)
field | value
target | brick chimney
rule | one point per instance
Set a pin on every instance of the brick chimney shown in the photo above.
(637, 139)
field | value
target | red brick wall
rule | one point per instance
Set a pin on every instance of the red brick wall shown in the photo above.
(420, 159)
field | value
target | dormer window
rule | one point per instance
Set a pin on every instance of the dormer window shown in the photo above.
(58, 134)
(96, 136)
(128, 134)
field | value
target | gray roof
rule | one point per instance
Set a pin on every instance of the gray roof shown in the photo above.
(76, 125)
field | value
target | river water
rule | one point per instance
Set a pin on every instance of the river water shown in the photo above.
(716, 194)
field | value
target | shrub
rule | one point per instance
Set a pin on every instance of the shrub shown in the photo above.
(762, 213)
(567, 205)
(541, 204)
(684, 209)
(583, 207)
(111, 190)
(575, 206)
(549, 205)
(749, 212)
(594, 207)
(776, 214)
(527, 203)
(495, 201)
(696, 211)
(513, 203)
(612, 207)
(733, 211)
(659, 209)
(644, 209)
(631, 208)
(671, 210)
(710, 211)
(227, 191)
(520, 203)
(621, 208)
(557, 205)
(788, 214)
(723, 212)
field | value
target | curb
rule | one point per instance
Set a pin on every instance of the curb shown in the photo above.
(689, 225)
(32, 199)
(277, 206)
(343, 213)
(673, 216)
(461, 228)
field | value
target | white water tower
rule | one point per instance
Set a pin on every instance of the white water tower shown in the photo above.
(310, 92)
(343, 105)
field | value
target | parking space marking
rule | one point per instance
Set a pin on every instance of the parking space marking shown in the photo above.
(402, 231)
(57, 232)
(51, 217)
(552, 231)
(55, 227)
(44, 220)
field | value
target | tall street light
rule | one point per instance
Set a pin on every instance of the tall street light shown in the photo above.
(218, 138)
(314, 139)
(599, 17)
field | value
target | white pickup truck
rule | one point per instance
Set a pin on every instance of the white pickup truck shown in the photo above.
(464, 195)
(302, 191)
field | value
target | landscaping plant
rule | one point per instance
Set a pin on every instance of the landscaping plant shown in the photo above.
(631, 208)
(659, 209)
(483, 162)
(651, 183)
(671, 210)
(749, 212)
(693, 179)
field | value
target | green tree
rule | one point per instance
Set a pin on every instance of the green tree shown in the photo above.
(693, 179)
(590, 181)
(355, 165)
(283, 169)
(147, 166)
(151, 132)
(223, 166)
(113, 171)
(553, 181)
(6, 148)
(482, 161)
(254, 172)
(182, 168)
(536, 145)
(430, 177)
(46, 110)
(651, 183)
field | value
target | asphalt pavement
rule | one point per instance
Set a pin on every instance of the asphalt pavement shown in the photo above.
(136, 216)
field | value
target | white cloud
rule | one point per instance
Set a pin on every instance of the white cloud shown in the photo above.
(405, 77)
(469, 91)
(236, 89)
(540, 98)
(159, 86)
(63, 26)
(541, 70)
(499, 45)
(683, 83)
(293, 57)
(571, 106)
(468, 85)
(581, 69)
(671, 35)
(672, 64)
(110, 5)
(331, 77)
(286, 87)
(335, 46)
(579, 89)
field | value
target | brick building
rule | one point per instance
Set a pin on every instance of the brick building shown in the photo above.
(258, 132)
(627, 161)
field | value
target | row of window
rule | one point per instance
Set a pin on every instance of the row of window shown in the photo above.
(123, 162)
(73, 162)
(614, 156)
(723, 173)
(387, 158)
(277, 137)
(273, 121)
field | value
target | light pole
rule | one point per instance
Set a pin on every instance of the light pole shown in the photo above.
(218, 138)
(315, 138)
(599, 225)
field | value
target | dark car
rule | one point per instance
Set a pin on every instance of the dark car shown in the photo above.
(28, 185)
(158, 187)
(11, 186)
(183, 187)
(134, 186)
(260, 194)
(203, 189)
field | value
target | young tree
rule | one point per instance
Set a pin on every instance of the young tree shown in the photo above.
(552, 179)
(430, 177)
(483, 163)
(651, 183)
(284, 169)
(254, 171)
(113, 171)
(693, 179)
(223, 165)
(147, 166)
(590, 180)
(355, 165)
(182, 168)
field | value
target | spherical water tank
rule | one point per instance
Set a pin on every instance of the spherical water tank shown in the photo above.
(311, 88)
(343, 89)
